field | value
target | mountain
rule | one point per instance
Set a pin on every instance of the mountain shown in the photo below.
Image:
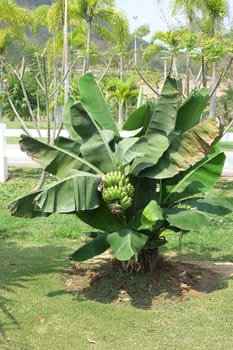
(33, 3)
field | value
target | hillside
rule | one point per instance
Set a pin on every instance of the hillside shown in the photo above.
(33, 3)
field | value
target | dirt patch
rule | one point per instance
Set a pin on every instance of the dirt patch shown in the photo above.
(176, 280)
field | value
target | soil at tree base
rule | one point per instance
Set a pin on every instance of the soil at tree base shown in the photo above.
(176, 280)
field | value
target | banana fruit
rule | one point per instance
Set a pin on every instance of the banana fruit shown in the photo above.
(117, 192)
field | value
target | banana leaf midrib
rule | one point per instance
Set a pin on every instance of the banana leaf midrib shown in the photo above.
(109, 151)
(54, 147)
(78, 109)
(97, 170)
(75, 175)
(168, 92)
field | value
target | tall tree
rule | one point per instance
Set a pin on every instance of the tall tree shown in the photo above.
(207, 16)
(96, 12)
(217, 10)
(13, 19)
(121, 92)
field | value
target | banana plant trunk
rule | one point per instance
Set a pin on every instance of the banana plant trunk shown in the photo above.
(148, 260)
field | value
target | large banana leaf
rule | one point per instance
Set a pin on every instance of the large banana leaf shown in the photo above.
(150, 216)
(124, 152)
(186, 150)
(145, 191)
(66, 119)
(95, 147)
(57, 161)
(149, 151)
(94, 103)
(68, 145)
(24, 206)
(200, 178)
(164, 116)
(101, 218)
(72, 194)
(212, 205)
(190, 112)
(162, 123)
(140, 118)
(126, 243)
(94, 247)
(187, 219)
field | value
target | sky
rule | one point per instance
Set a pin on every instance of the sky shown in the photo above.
(145, 12)
(158, 16)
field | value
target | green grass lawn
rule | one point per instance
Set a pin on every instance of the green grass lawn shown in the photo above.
(37, 312)
(226, 146)
(15, 124)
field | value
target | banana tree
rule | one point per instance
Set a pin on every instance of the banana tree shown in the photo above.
(133, 184)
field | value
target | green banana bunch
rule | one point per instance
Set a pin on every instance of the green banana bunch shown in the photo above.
(117, 192)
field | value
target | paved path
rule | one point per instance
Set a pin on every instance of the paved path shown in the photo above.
(15, 157)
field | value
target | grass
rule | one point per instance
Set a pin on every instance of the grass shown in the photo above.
(38, 313)
(15, 124)
(226, 146)
(12, 140)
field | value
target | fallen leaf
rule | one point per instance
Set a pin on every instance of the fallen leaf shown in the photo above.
(41, 319)
(91, 341)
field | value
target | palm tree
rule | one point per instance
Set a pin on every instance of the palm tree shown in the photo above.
(96, 12)
(217, 10)
(169, 42)
(212, 13)
(13, 19)
(121, 91)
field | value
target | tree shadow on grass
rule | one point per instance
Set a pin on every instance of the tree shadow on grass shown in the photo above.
(174, 281)
(19, 265)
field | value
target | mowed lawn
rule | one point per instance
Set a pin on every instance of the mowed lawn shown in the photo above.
(39, 312)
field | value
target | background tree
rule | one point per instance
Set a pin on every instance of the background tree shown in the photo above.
(216, 10)
(121, 91)
(13, 20)
(103, 18)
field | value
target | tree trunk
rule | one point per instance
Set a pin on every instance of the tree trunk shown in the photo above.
(187, 83)
(204, 71)
(213, 102)
(86, 61)
(66, 53)
(121, 112)
(213, 99)
(121, 67)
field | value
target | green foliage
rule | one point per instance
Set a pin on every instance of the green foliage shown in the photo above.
(167, 160)
(16, 93)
